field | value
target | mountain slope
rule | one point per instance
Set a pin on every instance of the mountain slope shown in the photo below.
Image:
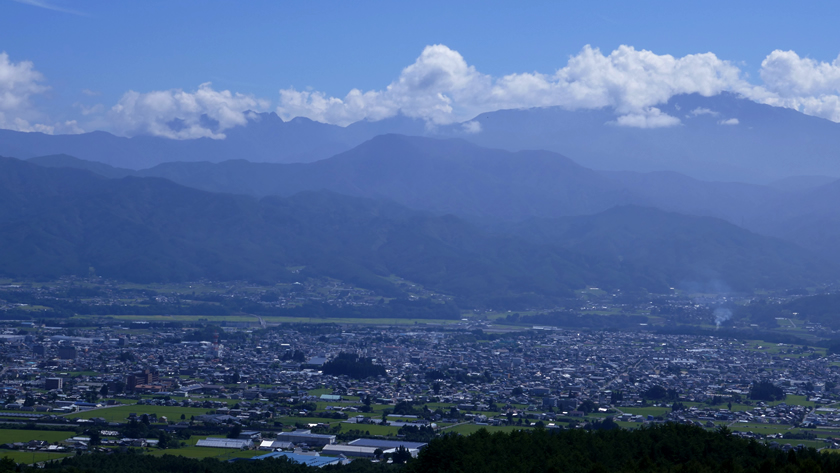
(67, 161)
(442, 176)
(687, 251)
(150, 229)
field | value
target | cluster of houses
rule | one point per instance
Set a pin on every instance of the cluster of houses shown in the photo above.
(482, 374)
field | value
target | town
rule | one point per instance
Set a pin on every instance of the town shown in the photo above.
(324, 393)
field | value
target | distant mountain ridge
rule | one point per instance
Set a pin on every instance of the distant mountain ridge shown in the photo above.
(442, 176)
(760, 144)
(266, 138)
(480, 184)
(56, 221)
(721, 138)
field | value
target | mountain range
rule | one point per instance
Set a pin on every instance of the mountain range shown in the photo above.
(493, 215)
(452, 176)
(721, 138)
(62, 220)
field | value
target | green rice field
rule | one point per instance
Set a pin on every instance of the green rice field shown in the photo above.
(32, 457)
(52, 436)
(120, 413)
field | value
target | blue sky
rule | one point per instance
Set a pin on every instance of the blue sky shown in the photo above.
(87, 55)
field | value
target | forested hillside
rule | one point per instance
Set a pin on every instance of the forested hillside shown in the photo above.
(59, 221)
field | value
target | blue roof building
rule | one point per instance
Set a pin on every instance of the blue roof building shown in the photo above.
(308, 460)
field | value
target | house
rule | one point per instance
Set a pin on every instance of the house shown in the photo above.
(272, 445)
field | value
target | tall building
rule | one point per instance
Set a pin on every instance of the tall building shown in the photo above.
(146, 376)
(67, 352)
(53, 383)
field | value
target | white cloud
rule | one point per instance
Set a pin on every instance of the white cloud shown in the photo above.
(69, 127)
(803, 84)
(789, 75)
(471, 127)
(442, 88)
(18, 83)
(205, 113)
(704, 111)
(649, 118)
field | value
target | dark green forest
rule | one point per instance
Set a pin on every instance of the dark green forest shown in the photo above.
(352, 365)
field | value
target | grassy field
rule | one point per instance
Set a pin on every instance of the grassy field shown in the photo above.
(467, 429)
(763, 429)
(229, 402)
(120, 413)
(52, 436)
(206, 452)
(32, 457)
(795, 401)
(646, 411)
(374, 429)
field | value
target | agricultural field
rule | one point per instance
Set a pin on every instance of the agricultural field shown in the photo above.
(206, 452)
(374, 429)
(30, 458)
(120, 413)
(763, 429)
(467, 429)
(647, 411)
(52, 436)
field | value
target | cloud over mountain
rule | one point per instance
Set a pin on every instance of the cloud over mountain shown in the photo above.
(441, 87)
(205, 113)
(804, 84)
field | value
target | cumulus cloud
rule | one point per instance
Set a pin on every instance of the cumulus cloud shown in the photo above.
(18, 83)
(205, 113)
(442, 88)
(804, 84)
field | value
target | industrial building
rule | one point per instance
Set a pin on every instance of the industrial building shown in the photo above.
(299, 437)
